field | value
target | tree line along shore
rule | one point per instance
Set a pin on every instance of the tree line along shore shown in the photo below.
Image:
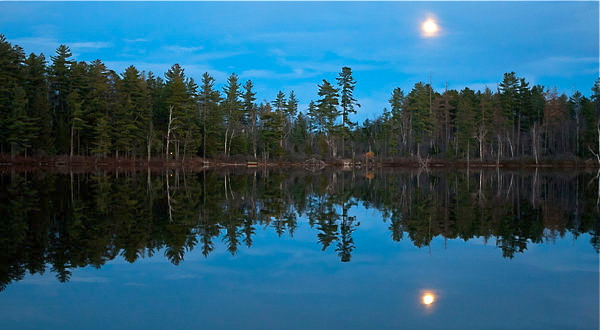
(76, 113)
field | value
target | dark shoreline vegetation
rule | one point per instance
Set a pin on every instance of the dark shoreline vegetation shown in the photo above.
(83, 110)
(84, 164)
(62, 221)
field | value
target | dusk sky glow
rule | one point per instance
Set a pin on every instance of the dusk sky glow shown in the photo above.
(293, 46)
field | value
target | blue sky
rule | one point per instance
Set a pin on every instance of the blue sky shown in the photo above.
(294, 45)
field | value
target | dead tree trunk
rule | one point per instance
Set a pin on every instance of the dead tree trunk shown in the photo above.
(169, 128)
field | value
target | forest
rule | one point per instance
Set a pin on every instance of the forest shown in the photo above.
(75, 108)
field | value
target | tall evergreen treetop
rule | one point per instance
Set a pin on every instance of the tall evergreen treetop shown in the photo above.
(327, 106)
(347, 101)
(291, 108)
(212, 118)
(596, 94)
(232, 92)
(232, 104)
(280, 102)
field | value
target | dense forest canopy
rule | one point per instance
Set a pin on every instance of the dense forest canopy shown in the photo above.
(62, 106)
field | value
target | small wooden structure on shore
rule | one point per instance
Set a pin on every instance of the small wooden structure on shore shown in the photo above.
(348, 163)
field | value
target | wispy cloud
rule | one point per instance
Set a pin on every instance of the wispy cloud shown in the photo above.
(136, 40)
(296, 73)
(564, 66)
(182, 49)
(50, 43)
(216, 55)
(90, 44)
(314, 67)
(36, 42)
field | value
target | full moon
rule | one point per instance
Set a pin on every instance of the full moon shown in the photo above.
(428, 299)
(429, 27)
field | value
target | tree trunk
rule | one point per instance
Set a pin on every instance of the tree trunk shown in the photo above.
(225, 144)
(534, 142)
(148, 146)
(468, 153)
(185, 142)
(72, 131)
(230, 139)
(598, 154)
(169, 130)
(512, 152)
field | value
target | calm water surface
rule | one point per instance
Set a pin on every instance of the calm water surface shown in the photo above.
(295, 249)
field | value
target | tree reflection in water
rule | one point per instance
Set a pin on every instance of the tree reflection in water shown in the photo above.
(75, 220)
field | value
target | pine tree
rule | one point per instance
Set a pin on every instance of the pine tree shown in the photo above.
(399, 121)
(272, 122)
(101, 101)
(101, 145)
(577, 102)
(251, 114)
(156, 86)
(419, 107)
(60, 87)
(36, 88)
(22, 130)
(212, 118)
(508, 92)
(133, 117)
(280, 107)
(233, 110)
(483, 118)
(184, 118)
(465, 121)
(327, 113)
(77, 120)
(347, 102)
(291, 107)
(11, 77)
(279, 104)
(300, 135)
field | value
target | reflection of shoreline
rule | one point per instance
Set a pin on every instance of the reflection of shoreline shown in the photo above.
(91, 164)
(86, 219)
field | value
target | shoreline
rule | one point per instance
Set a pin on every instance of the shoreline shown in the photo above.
(199, 164)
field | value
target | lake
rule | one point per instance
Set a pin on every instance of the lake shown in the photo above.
(290, 248)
